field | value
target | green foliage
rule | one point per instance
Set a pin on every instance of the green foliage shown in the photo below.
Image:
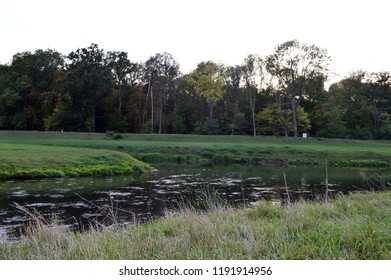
(304, 123)
(297, 66)
(275, 121)
(83, 98)
(350, 95)
(207, 153)
(270, 121)
(281, 94)
(179, 125)
(207, 83)
(117, 122)
(211, 127)
(162, 72)
(114, 135)
(384, 131)
(327, 118)
(26, 87)
(240, 125)
(253, 71)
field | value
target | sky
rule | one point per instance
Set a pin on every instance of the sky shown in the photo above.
(356, 34)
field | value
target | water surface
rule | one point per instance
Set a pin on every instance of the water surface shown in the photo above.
(78, 202)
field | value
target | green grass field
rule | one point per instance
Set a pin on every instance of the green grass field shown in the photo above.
(218, 149)
(356, 226)
(26, 161)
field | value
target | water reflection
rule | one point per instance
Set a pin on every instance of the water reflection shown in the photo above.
(77, 202)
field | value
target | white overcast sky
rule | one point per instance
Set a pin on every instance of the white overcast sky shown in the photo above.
(355, 33)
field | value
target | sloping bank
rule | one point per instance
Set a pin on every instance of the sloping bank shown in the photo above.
(218, 149)
(23, 161)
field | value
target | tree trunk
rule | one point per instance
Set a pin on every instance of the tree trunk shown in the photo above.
(282, 117)
(210, 111)
(233, 125)
(160, 114)
(236, 110)
(294, 116)
(93, 126)
(120, 99)
(252, 108)
(375, 113)
(283, 122)
(141, 109)
(145, 112)
(151, 111)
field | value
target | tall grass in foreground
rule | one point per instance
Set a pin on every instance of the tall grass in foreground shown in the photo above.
(356, 226)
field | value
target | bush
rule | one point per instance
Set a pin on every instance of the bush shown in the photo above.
(211, 127)
(114, 135)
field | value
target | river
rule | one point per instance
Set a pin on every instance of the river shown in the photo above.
(79, 202)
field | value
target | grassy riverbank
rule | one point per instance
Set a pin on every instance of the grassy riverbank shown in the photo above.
(24, 161)
(356, 226)
(218, 149)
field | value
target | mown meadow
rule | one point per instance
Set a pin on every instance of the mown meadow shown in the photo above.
(21, 158)
(217, 149)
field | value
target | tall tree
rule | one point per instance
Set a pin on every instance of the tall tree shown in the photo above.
(127, 78)
(208, 83)
(296, 65)
(233, 76)
(283, 118)
(9, 99)
(378, 94)
(162, 75)
(327, 115)
(254, 77)
(87, 83)
(351, 94)
(121, 67)
(189, 108)
(29, 83)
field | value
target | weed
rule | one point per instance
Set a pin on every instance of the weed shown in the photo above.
(207, 199)
(356, 226)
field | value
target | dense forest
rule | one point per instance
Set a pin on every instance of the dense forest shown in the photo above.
(281, 94)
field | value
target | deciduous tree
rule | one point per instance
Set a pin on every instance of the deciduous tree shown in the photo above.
(87, 83)
(27, 87)
(254, 77)
(296, 65)
(208, 83)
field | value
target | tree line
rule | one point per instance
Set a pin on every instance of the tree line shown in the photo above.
(281, 94)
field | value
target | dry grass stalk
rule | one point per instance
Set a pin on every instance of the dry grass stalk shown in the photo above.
(327, 183)
(287, 191)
